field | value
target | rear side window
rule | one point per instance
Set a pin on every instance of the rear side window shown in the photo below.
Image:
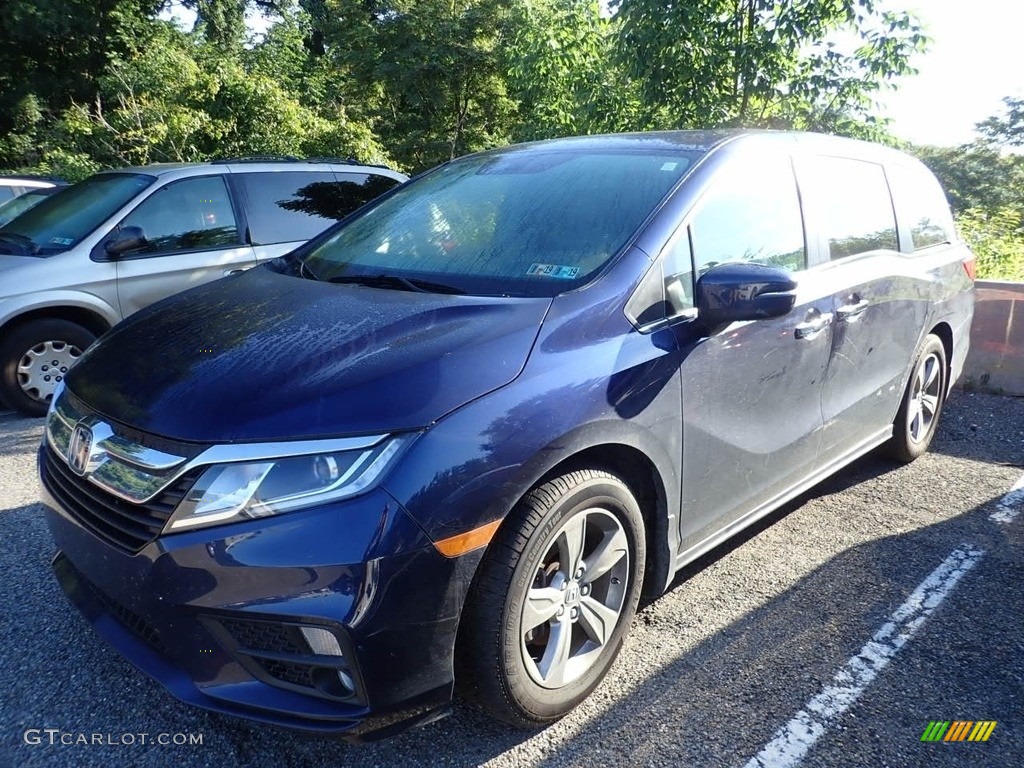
(855, 205)
(922, 205)
(294, 206)
(7, 193)
(192, 214)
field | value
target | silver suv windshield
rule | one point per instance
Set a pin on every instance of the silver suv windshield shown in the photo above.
(513, 223)
(62, 220)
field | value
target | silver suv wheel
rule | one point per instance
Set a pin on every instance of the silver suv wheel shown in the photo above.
(44, 366)
(35, 357)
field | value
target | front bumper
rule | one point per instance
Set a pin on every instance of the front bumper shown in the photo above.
(214, 614)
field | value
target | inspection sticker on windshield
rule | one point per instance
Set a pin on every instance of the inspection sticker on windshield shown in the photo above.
(553, 270)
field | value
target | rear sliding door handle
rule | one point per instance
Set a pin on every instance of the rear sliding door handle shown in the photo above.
(811, 328)
(852, 310)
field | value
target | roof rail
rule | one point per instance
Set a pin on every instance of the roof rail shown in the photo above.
(259, 159)
(293, 159)
(336, 160)
(347, 161)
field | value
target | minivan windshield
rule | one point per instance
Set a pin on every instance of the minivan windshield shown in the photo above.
(521, 222)
(62, 220)
(20, 204)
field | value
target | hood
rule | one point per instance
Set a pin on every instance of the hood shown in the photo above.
(8, 261)
(266, 356)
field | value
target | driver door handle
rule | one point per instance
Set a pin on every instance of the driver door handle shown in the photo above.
(811, 328)
(852, 310)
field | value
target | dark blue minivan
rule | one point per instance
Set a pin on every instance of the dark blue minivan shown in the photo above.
(449, 442)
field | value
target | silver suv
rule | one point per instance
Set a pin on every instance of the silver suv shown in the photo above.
(94, 253)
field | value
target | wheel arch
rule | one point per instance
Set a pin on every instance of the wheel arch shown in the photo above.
(88, 318)
(630, 453)
(943, 330)
(641, 475)
(649, 483)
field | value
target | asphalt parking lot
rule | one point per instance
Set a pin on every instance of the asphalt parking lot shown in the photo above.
(830, 634)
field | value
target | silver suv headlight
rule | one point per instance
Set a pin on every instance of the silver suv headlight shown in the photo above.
(245, 490)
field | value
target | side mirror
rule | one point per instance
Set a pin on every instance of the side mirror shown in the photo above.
(127, 239)
(744, 291)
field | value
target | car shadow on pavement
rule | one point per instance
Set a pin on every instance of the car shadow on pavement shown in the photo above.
(721, 701)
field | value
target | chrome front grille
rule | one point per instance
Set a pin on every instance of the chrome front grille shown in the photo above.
(120, 489)
(124, 485)
(123, 523)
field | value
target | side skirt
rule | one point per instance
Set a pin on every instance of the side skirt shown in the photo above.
(692, 553)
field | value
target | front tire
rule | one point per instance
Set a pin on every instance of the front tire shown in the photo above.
(35, 358)
(553, 599)
(918, 416)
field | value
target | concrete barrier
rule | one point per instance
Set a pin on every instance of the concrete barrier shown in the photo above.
(996, 360)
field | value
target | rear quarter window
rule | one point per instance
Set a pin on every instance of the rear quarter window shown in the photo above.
(921, 205)
(293, 206)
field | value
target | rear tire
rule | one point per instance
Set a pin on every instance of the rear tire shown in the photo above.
(29, 349)
(918, 416)
(553, 599)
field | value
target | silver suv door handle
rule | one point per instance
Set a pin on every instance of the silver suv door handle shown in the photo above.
(811, 328)
(852, 310)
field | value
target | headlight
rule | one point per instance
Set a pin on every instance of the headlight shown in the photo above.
(242, 491)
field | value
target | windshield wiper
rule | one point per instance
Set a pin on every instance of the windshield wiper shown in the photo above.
(25, 242)
(304, 271)
(398, 282)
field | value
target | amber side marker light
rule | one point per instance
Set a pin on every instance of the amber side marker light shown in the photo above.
(462, 543)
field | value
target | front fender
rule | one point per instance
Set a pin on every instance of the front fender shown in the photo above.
(472, 467)
(16, 306)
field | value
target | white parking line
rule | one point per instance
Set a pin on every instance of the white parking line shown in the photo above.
(1010, 505)
(791, 742)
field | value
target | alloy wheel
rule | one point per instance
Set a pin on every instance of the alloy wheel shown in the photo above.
(924, 398)
(577, 598)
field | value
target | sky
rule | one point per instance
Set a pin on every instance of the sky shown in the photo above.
(976, 57)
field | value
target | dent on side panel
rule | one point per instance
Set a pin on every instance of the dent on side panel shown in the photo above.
(873, 350)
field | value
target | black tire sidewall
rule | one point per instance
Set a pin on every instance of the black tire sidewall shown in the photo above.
(540, 704)
(19, 341)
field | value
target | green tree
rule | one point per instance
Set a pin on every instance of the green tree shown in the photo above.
(996, 239)
(52, 53)
(977, 176)
(985, 185)
(427, 79)
(222, 21)
(764, 63)
(563, 73)
(181, 97)
(1005, 129)
(431, 73)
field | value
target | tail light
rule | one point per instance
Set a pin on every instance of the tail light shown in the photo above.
(969, 266)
